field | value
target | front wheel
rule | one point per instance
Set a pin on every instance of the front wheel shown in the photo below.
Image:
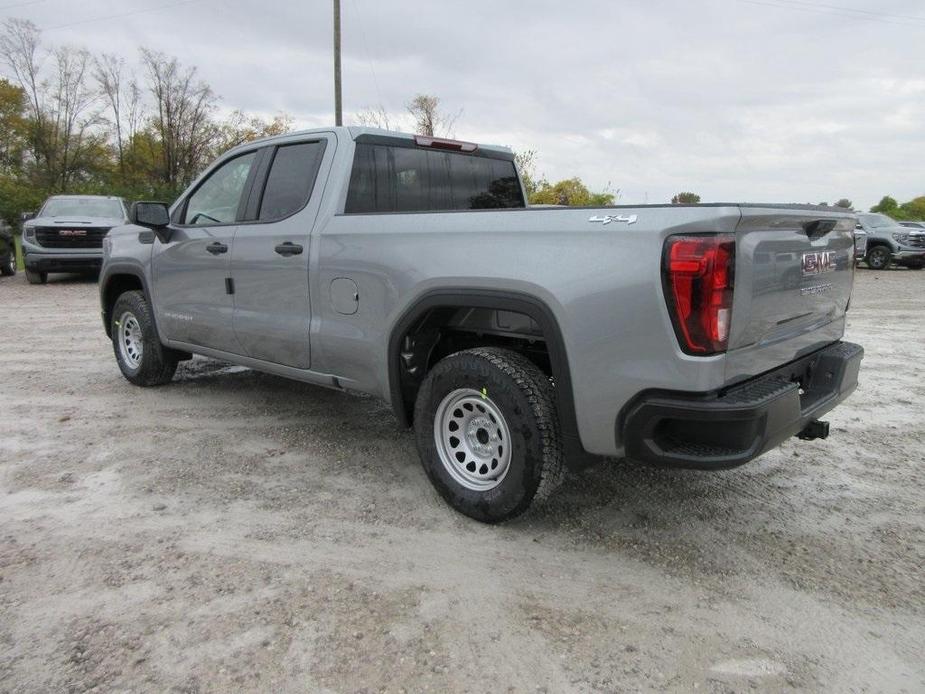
(488, 434)
(142, 358)
(33, 277)
(878, 258)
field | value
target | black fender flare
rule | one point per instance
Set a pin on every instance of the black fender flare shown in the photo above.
(504, 300)
(120, 269)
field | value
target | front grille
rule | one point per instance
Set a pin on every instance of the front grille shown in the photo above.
(916, 240)
(70, 237)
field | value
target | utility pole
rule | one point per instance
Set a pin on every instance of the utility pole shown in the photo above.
(338, 105)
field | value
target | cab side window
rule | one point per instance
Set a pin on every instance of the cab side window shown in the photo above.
(217, 199)
(291, 179)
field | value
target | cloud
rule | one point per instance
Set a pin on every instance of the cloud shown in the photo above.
(735, 100)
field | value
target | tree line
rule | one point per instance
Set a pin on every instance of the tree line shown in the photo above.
(912, 210)
(78, 122)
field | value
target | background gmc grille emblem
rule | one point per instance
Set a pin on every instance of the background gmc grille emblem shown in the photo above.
(818, 262)
(72, 232)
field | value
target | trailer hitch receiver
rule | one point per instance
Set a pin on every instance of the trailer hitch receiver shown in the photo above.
(816, 429)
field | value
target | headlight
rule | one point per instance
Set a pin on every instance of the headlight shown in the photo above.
(901, 238)
(29, 233)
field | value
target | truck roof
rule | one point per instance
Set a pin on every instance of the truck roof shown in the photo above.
(83, 197)
(355, 131)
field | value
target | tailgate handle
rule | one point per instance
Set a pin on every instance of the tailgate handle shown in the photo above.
(818, 228)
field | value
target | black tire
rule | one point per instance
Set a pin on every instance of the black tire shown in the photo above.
(879, 258)
(33, 277)
(8, 264)
(156, 364)
(524, 396)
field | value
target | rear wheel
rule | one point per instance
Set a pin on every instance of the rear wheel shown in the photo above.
(878, 258)
(34, 277)
(142, 358)
(488, 434)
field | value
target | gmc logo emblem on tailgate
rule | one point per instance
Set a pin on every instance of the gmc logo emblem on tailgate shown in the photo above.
(72, 232)
(817, 263)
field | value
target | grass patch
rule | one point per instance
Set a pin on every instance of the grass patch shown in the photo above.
(18, 242)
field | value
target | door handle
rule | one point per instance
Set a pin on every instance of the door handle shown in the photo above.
(288, 248)
(216, 248)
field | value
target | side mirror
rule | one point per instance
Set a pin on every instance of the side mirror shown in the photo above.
(154, 216)
(26, 216)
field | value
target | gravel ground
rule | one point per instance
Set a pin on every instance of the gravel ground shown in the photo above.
(236, 531)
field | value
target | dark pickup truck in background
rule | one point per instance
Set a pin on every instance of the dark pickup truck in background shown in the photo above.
(7, 250)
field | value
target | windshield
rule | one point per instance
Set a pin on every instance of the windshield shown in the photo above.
(82, 207)
(878, 221)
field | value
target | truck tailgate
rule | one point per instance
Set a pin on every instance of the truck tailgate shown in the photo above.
(794, 273)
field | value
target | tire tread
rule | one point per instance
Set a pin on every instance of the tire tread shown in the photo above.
(542, 397)
(158, 363)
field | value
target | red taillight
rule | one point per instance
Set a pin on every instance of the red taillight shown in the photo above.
(440, 143)
(698, 276)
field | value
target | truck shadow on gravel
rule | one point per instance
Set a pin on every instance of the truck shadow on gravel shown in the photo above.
(783, 516)
(73, 278)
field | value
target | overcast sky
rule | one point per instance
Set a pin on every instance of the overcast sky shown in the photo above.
(762, 100)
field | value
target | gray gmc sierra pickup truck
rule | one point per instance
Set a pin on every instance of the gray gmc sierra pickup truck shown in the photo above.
(519, 342)
(67, 234)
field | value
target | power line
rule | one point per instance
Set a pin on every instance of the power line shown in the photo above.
(369, 59)
(21, 4)
(120, 16)
(853, 10)
(834, 11)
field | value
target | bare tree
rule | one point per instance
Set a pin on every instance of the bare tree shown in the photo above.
(374, 118)
(61, 135)
(122, 98)
(71, 106)
(134, 110)
(183, 108)
(525, 160)
(429, 119)
(240, 127)
(19, 47)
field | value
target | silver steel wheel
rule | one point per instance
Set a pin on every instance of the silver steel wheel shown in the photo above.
(473, 439)
(131, 341)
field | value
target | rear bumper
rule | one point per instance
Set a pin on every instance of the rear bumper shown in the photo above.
(63, 262)
(731, 427)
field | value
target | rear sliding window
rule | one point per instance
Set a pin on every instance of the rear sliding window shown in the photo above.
(405, 179)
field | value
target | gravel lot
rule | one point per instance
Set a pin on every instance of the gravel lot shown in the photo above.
(238, 531)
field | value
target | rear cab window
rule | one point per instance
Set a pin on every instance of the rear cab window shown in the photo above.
(403, 178)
